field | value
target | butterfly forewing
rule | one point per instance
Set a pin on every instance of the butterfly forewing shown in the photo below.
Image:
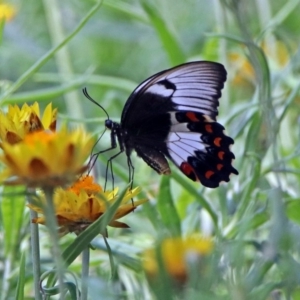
(173, 114)
(201, 81)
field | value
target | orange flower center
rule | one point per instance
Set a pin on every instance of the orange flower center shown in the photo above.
(42, 136)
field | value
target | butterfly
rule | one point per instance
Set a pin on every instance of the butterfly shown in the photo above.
(172, 116)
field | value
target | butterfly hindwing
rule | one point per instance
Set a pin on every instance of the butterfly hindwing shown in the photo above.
(200, 149)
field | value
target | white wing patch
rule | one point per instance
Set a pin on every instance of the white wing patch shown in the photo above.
(187, 93)
(191, 102)
(180, 127)
(194, 109)
(160, 89)
(181, 142)
(181, 145)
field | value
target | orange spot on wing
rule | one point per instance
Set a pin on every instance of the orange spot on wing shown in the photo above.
(221, 154)
(186, 168)
(219, 166)
(192, 116)
(217, 141)
(208, 174)
(208, 128)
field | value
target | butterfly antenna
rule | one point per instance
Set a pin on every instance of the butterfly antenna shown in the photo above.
(94, 156)
(85, 93)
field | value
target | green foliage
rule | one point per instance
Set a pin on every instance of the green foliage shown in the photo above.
(21, 279)
(167, 209)
(109, 48)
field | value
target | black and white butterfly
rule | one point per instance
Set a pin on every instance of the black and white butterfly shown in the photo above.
(172, 115)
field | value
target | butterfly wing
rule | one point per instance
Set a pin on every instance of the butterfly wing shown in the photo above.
(192, 86)
(200, 149)
(173, 113)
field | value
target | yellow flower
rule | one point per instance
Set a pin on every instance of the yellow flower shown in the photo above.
(7, 11)
(175, 253)
(241, 68)
(83, 203)
(277, 54)
(243, 72)
(45, 158)
(18, 122)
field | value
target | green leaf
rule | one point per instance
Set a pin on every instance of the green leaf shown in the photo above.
(293, 210)
(21, 278)
(43, 95)
(122, 251)
(131, 11)
(249, 186)
(253, 142)
(167, 38)
(72, 288)
(186, 183)
(2, 23)
(12, 206)
(36, 66)
(93, 79)
(167, 208)
(153, 215)
(251, 224)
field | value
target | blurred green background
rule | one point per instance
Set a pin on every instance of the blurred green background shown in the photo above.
(254, 218)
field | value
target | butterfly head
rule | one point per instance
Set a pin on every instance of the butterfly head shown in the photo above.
(109, 124)
(113, 126)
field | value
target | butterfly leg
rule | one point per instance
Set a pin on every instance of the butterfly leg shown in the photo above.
(109, 164)
(131, 171)
(93, 157)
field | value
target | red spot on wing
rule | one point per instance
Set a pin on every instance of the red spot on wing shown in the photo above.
(208, 174)
(192, 116)
(208, 128)
(221, 155)
(217, 141)
(188, 170)
(219, 167)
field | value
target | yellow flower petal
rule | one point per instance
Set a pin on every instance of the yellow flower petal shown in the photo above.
(49, 117)
(175, 262)
(17, 122)
(7, 11)
(76, 208)
(47, 158)
(125, 209)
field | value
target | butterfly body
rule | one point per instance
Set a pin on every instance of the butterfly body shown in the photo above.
(172, 115)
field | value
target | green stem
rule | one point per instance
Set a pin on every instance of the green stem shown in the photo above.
(85, 273)
(111, 258)
(35, 252)
(23, 78)
(220, 16)
(51, 223)
(62, 57)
